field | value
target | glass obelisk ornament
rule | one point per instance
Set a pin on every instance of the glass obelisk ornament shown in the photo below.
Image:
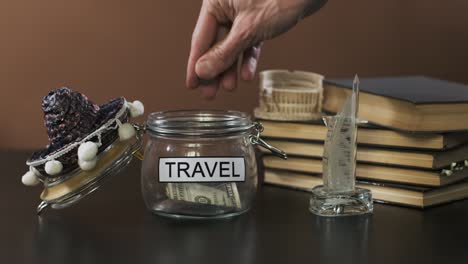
(338, 195)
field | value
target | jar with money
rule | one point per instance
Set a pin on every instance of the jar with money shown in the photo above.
(201, 164)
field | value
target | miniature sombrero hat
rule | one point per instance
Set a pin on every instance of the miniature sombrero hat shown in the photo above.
(78, 131)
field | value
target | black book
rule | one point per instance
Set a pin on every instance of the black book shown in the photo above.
(411, 103)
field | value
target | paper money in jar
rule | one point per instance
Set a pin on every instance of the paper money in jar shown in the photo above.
(290, 95)
(216, 194)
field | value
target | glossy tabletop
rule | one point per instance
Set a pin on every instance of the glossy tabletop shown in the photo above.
(113, 226)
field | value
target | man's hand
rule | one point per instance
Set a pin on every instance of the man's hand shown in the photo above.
(232, 31)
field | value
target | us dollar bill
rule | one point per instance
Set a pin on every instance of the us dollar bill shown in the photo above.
(220, 194)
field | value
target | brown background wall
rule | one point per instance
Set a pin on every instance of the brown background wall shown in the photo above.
(138, 49)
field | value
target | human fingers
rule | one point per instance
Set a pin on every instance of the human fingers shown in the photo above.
(229, 78)
(209, 88)
(250, 62)
(223, 54)
(203, 37)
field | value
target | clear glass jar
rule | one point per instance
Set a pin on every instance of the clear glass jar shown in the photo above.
(200, 163)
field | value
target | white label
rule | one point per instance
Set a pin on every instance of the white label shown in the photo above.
(202, 169)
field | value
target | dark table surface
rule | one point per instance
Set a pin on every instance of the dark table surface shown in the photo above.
(113, 226)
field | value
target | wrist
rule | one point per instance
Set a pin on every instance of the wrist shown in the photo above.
(299, 8)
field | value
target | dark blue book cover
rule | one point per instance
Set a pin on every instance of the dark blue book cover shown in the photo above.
(414, 89)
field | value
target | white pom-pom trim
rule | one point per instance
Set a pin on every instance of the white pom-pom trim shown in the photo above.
(136, 108)
(126, 131)
(87, 151)
(30, 179)
(35, 171)
(53, 167)
(87, 165)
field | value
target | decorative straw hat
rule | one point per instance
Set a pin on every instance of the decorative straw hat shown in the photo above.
(290, 95)
(78, 131)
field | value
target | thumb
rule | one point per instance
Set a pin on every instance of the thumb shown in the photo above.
(224, 53)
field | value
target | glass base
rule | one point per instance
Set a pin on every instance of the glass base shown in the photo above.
(198, 217)
(325, 203)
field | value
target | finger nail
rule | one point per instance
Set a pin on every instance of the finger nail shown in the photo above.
(252, 66)
(208, 92)
(204, 70)
(227, 84)
(248, 72)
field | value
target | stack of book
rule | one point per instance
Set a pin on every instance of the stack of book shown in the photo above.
(414, 152)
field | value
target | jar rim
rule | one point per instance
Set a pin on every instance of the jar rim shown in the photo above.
(199, 122)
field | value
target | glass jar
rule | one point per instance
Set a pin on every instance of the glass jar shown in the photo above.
(200, 163)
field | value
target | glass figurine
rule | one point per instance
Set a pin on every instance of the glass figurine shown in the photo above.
(338, 196)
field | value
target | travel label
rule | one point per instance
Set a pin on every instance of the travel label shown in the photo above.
(202, 169)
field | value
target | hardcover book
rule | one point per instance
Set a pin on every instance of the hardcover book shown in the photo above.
(434, 160)
(368, 135)
(371, 172)
(411, 103)
(412, 196)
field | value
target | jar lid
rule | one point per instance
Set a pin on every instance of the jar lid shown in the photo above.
(78, 184)
(199, 123)
(87, 143)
